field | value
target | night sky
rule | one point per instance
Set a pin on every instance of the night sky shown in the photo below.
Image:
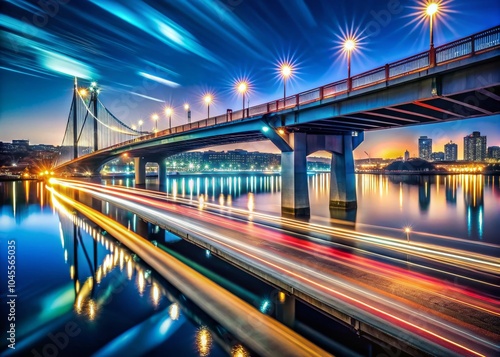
(147, 55)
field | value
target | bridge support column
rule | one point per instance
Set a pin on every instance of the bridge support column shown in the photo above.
(342, 179)
(294, 189)
(162, 172)
(142, 227)
(140, 170)
(285, 309)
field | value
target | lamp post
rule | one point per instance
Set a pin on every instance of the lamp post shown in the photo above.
(140, 125)
(208, 100)
(349, 46)
(186, 108)
(431, 9)
(286, 72)
(168, 112)
(242, 88)
(155, 119)
(407, 231)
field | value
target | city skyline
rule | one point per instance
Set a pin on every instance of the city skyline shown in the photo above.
(442, 135)
(186, 51)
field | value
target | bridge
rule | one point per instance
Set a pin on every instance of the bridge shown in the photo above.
(454, 81)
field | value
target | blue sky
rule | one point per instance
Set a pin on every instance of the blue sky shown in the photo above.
(147, 55)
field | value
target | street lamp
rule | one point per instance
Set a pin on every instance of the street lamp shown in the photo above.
(140, 124)
(155, 119)
(208, 100)
(186, 108)
(242, 88)
(349, 46)
(168, 112)
(407, 231)
(431, 9)
(285, 71)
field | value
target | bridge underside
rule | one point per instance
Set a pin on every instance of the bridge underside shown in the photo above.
(426, 111)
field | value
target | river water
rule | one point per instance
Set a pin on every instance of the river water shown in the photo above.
(59, 310)
(460, 206)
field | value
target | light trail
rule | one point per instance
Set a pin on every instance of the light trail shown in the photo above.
(439, 254)
(262, 333)
(299, 268)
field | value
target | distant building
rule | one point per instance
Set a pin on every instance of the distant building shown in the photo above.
(21, 145)
(224, 160)
(424, 148)
(407, 155)
(494, 152)
(22, 142)
(450, 151)
(475, 147)
(437, 156)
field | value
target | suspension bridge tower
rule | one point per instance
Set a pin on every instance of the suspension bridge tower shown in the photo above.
(94, 91)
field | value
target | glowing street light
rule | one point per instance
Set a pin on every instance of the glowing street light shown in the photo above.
(431, 9)
(155, 119)
(186, 108)
(168, 112)
(407, 231)
(208, 100)
(286, 70)
(242, 88)
(349, 46)
(140, 124)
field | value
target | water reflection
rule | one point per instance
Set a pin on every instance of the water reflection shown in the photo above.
(97, 281)
(473, 198)
(424, 193)
(22, 197)
(174, 311)
(204, 341)
(439, 208)
(239, 351)
(451, 185)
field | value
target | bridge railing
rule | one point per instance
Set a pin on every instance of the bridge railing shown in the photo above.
(258, 109)
(408, 65)
(335, 88)
(468, 46)
(369, 78)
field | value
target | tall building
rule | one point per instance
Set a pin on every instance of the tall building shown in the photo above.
(494, 152)
(424, 148)
(475, 147)
(407, 155)
(450, 151)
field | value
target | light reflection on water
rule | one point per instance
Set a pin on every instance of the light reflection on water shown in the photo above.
(71, 276)
(463, 206)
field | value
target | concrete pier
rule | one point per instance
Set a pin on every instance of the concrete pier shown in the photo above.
(140, 170)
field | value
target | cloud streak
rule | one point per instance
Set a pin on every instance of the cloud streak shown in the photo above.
(159, 79)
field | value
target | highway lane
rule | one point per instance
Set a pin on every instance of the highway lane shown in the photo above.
(434, 314)
(263, 334)
(471, 263)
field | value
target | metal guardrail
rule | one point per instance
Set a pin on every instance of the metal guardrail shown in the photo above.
(468, 46)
